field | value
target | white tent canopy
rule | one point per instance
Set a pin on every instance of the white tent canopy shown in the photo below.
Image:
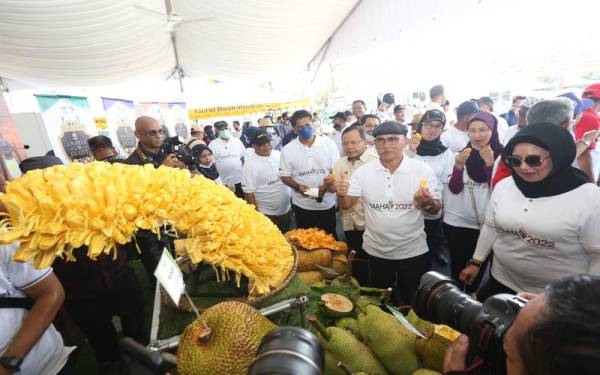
(88, 43)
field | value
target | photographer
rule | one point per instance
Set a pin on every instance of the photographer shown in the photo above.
(150, 137)
(103, 150)
(556, 333)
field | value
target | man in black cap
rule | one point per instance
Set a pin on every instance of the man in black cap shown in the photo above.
(262, 185)
(395, 191)
(400, 114)
(339, 124)
(103, 150)
(384, 105)
(455, 138)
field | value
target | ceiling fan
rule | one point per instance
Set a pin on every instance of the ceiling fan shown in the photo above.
(174, 20)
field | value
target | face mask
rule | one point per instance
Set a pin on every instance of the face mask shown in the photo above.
(207, 166)
(305, 133)
(370, 138)
(225, 134)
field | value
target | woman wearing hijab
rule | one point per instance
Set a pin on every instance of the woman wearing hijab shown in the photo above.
(205, 163)
(430, 150)
(468, 191)
(543, 222)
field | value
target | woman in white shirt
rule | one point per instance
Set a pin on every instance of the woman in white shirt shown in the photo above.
(432, 151)
(468, 191)
(543, 222)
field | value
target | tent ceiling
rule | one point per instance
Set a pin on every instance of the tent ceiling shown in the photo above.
(87, 43)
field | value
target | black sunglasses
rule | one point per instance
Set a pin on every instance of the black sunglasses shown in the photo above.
(530, 160)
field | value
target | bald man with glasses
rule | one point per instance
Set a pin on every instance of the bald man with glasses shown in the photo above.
(150, 137)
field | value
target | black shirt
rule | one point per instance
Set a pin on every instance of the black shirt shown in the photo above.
(139, 157)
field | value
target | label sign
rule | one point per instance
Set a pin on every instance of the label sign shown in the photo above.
(169, 276)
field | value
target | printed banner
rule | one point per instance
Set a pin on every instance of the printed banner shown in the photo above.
(237, 110)
(160, 112)
(179, 115)
(120, 115)
(12, 151)
(69, 124)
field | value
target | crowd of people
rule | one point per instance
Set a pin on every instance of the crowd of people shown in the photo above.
(514, 193)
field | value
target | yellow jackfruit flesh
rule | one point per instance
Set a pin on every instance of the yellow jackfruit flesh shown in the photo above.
(432, 350)
(99, 205)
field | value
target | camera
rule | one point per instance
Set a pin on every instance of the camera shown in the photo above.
(289, 351)
(440, 300)
(174, 145)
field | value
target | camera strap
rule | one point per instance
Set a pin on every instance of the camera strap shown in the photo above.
(16, 303)
(474, 203)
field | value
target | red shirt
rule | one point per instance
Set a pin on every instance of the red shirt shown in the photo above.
(590, 120)
(501, 173)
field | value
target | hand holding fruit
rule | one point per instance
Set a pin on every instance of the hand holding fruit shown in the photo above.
(462, 157)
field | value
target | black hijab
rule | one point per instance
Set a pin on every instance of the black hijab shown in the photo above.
(435, 147)
(559, 143)
(208, 172)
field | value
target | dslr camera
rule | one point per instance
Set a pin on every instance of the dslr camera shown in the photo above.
(175, 145)
(440, 300)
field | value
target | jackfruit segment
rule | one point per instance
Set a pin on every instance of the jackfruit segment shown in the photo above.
(432, 350)
(336, 305)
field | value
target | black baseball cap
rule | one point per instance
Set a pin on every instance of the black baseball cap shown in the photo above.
(485, 99)
(390, 127)
(220, 124)
(466, 108)
(389, 98)
(39, 162)
(399, 108)
(340, 115)
(260, 138)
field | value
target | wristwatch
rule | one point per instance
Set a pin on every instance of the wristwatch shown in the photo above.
(474, 262)
(586, 142)
(11, 363)
(428, 207)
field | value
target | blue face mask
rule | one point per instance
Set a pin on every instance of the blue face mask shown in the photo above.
(305, 133)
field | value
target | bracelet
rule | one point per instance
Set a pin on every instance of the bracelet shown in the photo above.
(474, 262)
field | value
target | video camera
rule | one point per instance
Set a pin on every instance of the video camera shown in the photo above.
(440, 300)
(175, 145)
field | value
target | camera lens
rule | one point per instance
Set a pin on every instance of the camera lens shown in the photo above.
(289, 351)
(440, 300)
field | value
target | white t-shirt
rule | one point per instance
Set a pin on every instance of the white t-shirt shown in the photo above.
(502, 126)
(336, 137)
(48, 355)
(458, 208)
(393, 224)
(309, 166)
(538, 241)
(440, 164)
(228, 157)
(260, 175)
(454, 139)
(509, 133)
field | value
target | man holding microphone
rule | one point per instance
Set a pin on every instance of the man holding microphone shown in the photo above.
(395, 191)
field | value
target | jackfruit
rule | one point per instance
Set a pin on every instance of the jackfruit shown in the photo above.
(351, 325)
(417, 322)
(222, 341)
(336, 306)
(331, 367)
(339, 263)
(310, 277)
(307, 260)
(315, 238)
(392, 343)
(432, 350)
(426, 371)
(53, 211)
(347, 349)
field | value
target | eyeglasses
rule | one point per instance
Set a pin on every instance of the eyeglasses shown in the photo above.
(431, 126)
(392, 141)
(531, 160)
(153, 133)
(351, 143)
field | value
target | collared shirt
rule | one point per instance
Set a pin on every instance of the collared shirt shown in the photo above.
(394, 225)
(354, 218)
(228, 158)
(309, 165)
(260, 176)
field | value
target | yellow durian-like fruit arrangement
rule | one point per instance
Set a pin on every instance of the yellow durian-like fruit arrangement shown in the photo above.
(58, 209)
